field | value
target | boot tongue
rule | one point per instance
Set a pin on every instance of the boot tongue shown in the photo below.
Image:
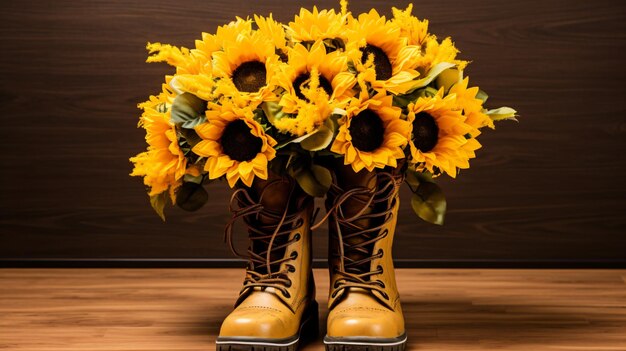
(275, 196)
(352, 207)
(352, 251)
(261, 246)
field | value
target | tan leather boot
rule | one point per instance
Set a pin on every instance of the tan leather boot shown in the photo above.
(276, 309)
(364, 304)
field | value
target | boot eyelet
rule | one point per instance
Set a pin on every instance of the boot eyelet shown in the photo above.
(299, 222)
(297, 237)
(381, 283)
(385, 295)
(289, 284)
(286, 294)
(381, 253)
(334, 294)
(294, 255)
(379, 268)
(291, 269)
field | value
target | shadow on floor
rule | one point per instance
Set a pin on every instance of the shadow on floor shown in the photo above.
(456, 324)
(461, 323)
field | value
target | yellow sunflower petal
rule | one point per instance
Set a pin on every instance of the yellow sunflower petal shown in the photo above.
(218, 162)
(393, 141)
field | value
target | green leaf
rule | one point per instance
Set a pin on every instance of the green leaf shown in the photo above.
(188, 178)
(176, 86)
(313, 144)
(273, 111)
(429, 203)
(431, 75)
(261, 119)
(190, 136)
(327, 153)
(412, 179)
(158, 203)
(448, 78)
(406, 99)
(188, 111)
(482, 96)
(191, 196)
(162, 107)
(402, 100)
(320, 139)
(277, 165)
(502, 113)
(291, 140)
(427, 92)
(334, 44)
(314, 180)
(415, 178)
(323, 176)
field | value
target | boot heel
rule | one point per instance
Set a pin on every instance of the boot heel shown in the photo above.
(310, 328)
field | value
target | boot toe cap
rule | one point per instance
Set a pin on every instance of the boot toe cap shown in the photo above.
(258, 324)
(364, 321)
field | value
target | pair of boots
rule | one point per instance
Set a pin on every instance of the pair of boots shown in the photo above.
(276, 309)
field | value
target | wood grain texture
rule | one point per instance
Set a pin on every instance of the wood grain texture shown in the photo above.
(182, 309)
(549, 188)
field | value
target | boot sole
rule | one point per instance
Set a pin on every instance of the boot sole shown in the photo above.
(309, 330)
(365, 343)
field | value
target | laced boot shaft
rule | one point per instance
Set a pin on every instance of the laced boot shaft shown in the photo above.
(364, 302)
(277, 301)
(270, 233)
(361, 219)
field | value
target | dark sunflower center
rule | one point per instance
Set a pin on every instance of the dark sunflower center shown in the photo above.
(250, 76)
(238, 143)
(302, 81)
(425, 132)
(367, 131)
(382, 65)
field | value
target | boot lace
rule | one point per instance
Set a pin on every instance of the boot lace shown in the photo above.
(356, 241)
(268, 241)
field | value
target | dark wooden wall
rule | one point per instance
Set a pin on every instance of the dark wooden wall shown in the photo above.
(549, 189)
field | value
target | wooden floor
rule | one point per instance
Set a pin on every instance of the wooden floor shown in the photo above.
(181, 309)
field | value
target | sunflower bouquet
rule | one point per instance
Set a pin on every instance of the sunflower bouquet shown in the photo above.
(259, 96)
(330, 105)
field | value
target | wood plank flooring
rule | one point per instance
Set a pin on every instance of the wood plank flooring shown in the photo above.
(181, 309)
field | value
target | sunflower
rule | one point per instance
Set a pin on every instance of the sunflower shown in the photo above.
(440, 139)
(371, 135)
(317, 25)
(163, 165)
(315, 83)
(193, 67)
(380, 54)
(246, 67)
(413, 29)
(235, 145)
(228, 33)
(472, 107)
(198, 60)
(273, 31)
(434, 52)
(202, 82)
